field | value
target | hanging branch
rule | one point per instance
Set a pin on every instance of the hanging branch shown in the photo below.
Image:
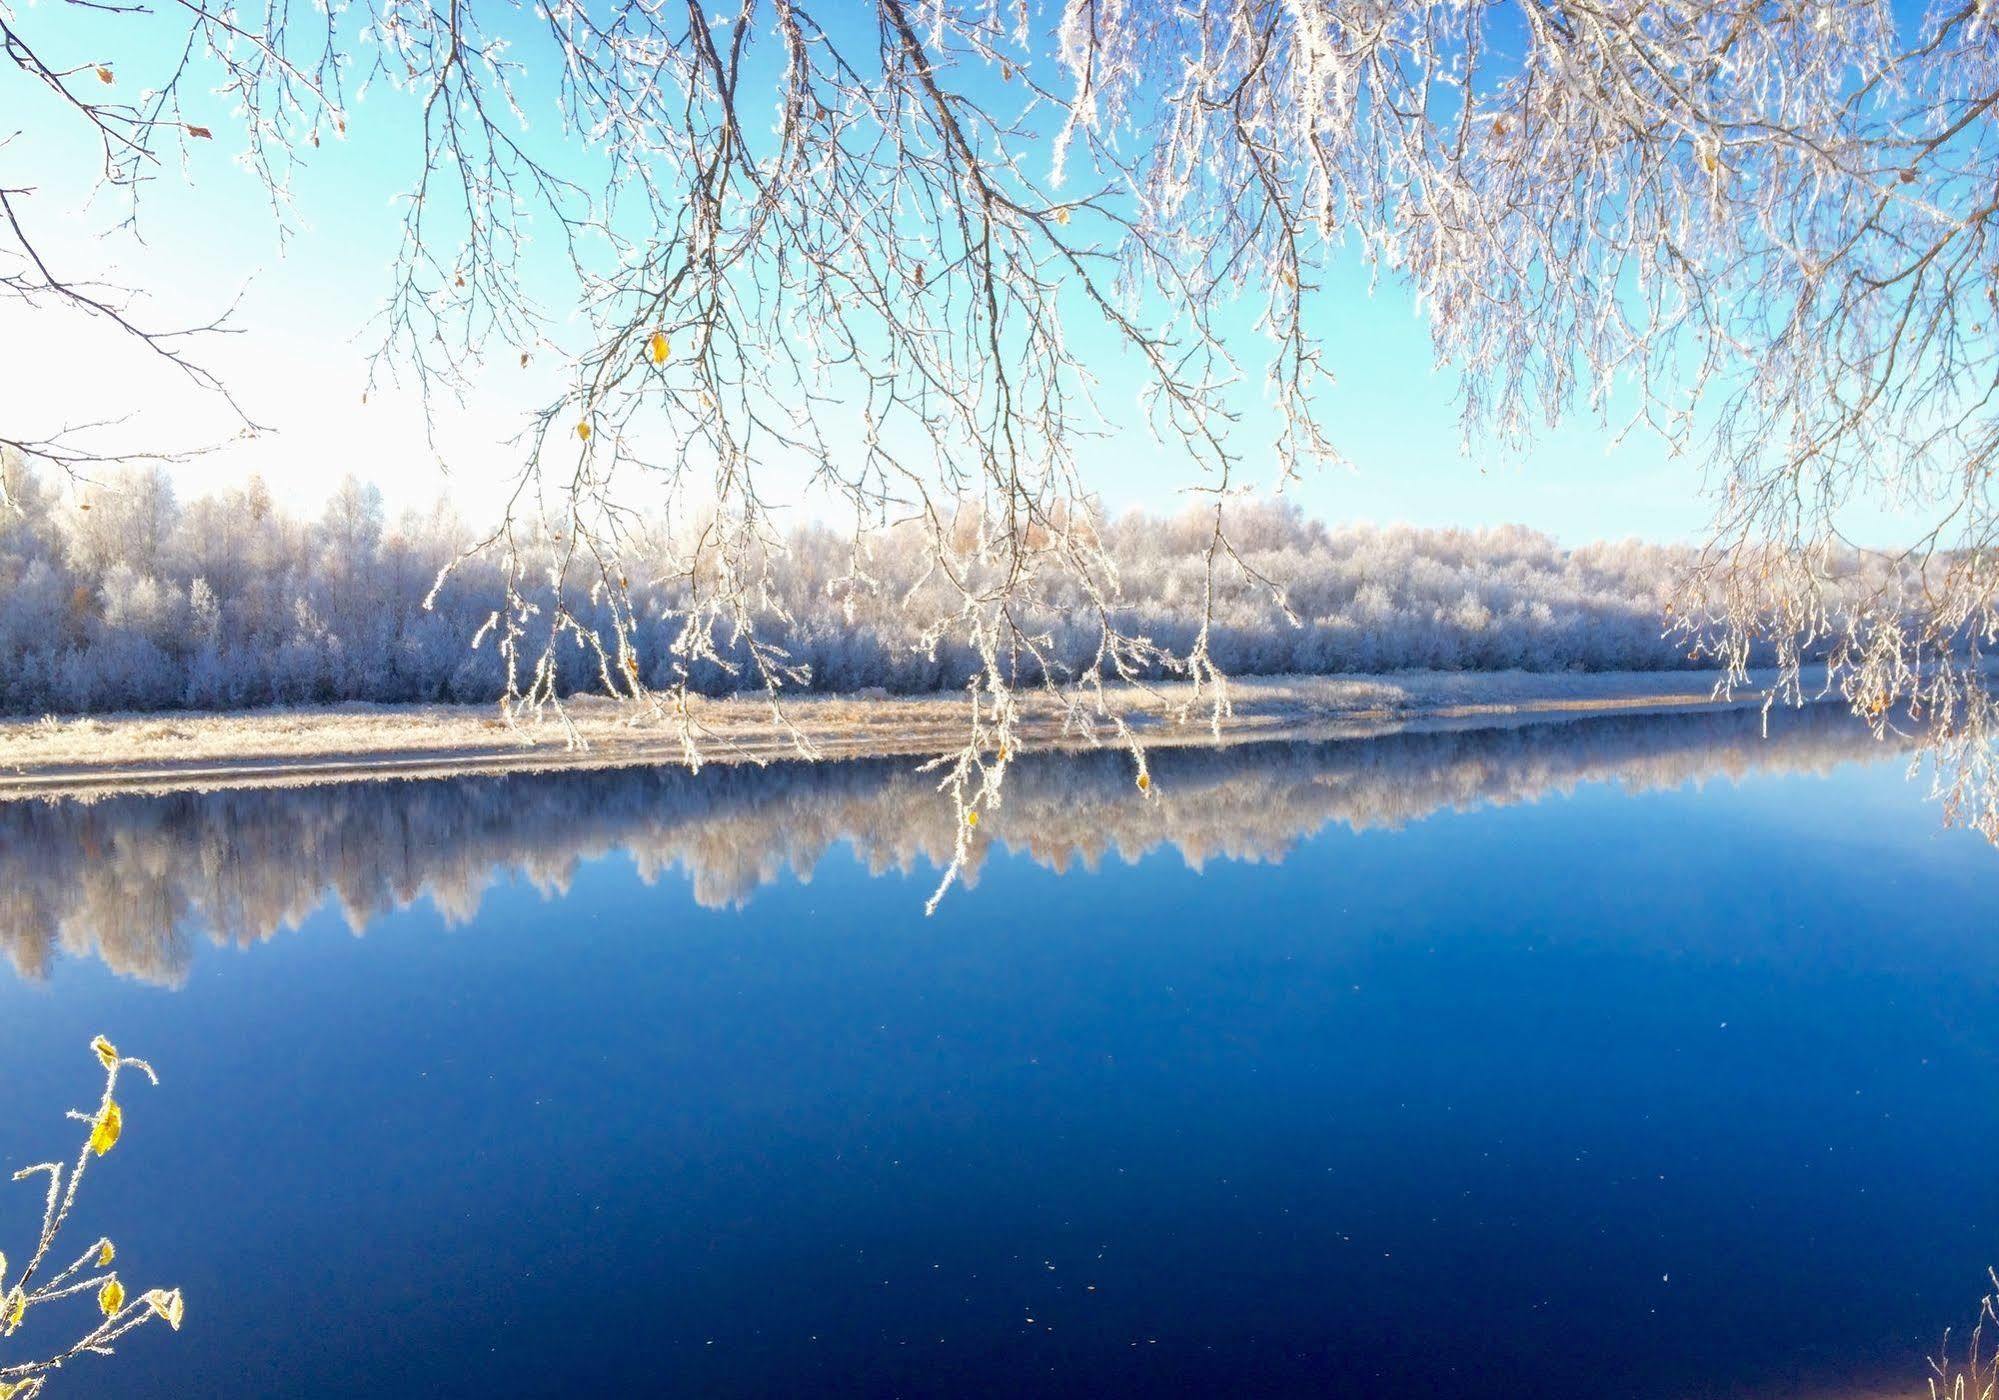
(885, 253)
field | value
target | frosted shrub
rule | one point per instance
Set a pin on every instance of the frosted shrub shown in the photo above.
(89, 1281)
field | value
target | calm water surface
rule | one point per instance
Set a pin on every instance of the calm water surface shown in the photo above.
(1627, 1057)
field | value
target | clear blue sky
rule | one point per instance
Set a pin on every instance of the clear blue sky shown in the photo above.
(298, 362)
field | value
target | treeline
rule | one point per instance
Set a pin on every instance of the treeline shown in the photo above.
(127, 598)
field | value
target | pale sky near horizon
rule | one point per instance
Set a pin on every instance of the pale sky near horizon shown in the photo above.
(298, 360)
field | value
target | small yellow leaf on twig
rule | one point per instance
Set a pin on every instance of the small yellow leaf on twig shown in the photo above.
(1061, 216)
(104, 1130)
(105, 76)
(111, 1297)
(106, 1051)
(583, 431)
(168, 1304)
(660, 347)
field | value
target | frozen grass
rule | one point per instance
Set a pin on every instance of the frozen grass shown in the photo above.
(162, 752)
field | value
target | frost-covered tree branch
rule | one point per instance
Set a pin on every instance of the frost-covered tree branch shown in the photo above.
(891, 252)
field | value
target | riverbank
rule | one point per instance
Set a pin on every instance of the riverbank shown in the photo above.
(284, 747)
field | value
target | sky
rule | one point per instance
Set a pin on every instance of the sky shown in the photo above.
(297, 357)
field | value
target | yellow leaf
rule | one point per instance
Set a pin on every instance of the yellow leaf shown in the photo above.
(168, 1305)
(106, 1051)
(1061, 216)
(660, 347)
(971, 819)
(583, 431)
(111, 1297)
(1143, 782)
(104, 76)
(104, 1131)
(17, 1308)
(106, 1252)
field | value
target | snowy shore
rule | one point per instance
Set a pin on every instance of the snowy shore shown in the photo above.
(285, 747)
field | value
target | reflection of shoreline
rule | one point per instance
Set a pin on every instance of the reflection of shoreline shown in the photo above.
(135, 880)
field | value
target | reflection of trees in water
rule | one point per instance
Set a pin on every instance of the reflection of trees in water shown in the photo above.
(133, 880)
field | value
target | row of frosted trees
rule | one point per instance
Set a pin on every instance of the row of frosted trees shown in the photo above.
(127, 598)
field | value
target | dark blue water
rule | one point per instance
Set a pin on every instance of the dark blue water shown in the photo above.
(1632, 1057)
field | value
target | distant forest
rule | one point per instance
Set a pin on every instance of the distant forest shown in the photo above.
(128, 598)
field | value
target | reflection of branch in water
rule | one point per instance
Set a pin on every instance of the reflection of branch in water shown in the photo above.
(90, 1274)
(134, 879)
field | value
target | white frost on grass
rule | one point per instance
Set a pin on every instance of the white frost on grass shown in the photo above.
(164, 752)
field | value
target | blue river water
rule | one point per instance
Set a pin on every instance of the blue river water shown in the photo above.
(1624, 1057)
